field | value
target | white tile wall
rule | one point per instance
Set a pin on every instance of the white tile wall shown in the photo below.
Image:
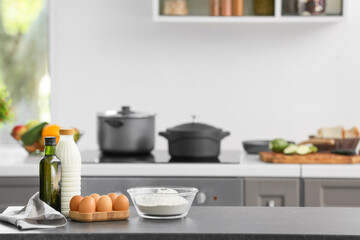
(256, 80)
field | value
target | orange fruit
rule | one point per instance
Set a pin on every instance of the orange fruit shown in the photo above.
(51, 130)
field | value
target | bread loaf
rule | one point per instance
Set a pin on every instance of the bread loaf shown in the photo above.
(333, 132)
(352, 133)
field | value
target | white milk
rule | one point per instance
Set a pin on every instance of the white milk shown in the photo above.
(69, 155)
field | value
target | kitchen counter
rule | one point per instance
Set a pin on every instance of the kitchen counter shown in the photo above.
(330, 171)
(213, 223)
(14, 162)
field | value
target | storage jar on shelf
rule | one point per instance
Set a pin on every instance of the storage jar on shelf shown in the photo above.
(225, 7)
(264, 7)
(311, 7)
(214, 7)
(175, 7)
(238, 7)
(289, 7)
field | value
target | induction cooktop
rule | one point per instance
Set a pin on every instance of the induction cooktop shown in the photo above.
(156, 157)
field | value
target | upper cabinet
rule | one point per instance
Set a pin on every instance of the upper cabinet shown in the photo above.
(249, 11)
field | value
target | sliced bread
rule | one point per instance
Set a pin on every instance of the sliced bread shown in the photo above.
(333, 132)
(352, 133)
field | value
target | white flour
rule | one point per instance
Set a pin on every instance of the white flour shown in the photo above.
(164, 202)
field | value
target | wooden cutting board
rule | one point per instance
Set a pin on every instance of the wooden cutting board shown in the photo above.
(315, 158)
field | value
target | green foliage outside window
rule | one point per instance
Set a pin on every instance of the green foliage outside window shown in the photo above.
(24, 58)
(5, 106)
(18, 15)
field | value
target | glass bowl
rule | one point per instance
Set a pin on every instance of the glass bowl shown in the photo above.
(162, 202)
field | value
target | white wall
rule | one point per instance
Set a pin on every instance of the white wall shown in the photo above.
(258, 81)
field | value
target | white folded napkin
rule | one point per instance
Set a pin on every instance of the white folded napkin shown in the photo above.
(36, 214)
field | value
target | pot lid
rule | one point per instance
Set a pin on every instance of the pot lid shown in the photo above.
(125, 112)
(194, 128)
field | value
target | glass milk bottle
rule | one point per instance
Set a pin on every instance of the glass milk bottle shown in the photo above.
(70, 158)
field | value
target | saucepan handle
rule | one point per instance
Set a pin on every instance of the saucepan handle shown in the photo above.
(224, 134)
(164, 134)
(114, 123)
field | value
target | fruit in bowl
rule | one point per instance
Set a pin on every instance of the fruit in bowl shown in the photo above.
(31, 135)
(31, 123)
(18, 131)
(51, 130)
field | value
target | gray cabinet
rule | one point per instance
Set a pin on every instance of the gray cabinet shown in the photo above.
(16, 191)
(272, 192)
(212, 191)
(332, 192)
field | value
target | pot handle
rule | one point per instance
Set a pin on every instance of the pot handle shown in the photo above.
(224, 134)
(114, 123)
(164, 134)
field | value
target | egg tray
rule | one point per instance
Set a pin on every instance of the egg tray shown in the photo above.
(99, 216)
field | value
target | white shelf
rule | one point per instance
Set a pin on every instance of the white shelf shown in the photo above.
(209, 19)
(278, 18)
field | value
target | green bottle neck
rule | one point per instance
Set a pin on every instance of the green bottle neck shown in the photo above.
(50, 150)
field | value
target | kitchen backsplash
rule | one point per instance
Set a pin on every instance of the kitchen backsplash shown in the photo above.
(258, 81)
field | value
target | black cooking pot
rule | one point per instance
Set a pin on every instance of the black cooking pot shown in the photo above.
(194, 140)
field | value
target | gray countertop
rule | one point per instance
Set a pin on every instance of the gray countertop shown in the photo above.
(213, 223)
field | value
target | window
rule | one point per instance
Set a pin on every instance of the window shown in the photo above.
(24, 61)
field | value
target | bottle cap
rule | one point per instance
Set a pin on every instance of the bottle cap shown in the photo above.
(50, 141)
(66, 131)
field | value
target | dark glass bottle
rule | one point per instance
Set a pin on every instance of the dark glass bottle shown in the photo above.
(50, 175)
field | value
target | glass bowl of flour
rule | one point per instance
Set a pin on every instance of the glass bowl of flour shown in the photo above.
(162, 202)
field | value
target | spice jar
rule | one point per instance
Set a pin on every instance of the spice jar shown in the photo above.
(238, 7)
(225, 7)
(175, 7)
(264, 7)
(289, 7)
(214, 7)
(312, 7)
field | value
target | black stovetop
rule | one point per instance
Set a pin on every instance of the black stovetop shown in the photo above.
(157, 156)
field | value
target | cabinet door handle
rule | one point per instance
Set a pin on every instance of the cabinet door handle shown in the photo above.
(271, 203)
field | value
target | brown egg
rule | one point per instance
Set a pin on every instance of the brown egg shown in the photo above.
(104, 204)
(95, 196)
(121, 203)
(74, 202)
(113, 196)
(87, 205)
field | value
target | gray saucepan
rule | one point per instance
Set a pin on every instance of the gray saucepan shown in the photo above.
(126, 132)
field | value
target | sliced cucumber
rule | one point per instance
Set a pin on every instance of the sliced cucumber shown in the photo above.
(291, 149)
(303, 149)
(313, 149)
